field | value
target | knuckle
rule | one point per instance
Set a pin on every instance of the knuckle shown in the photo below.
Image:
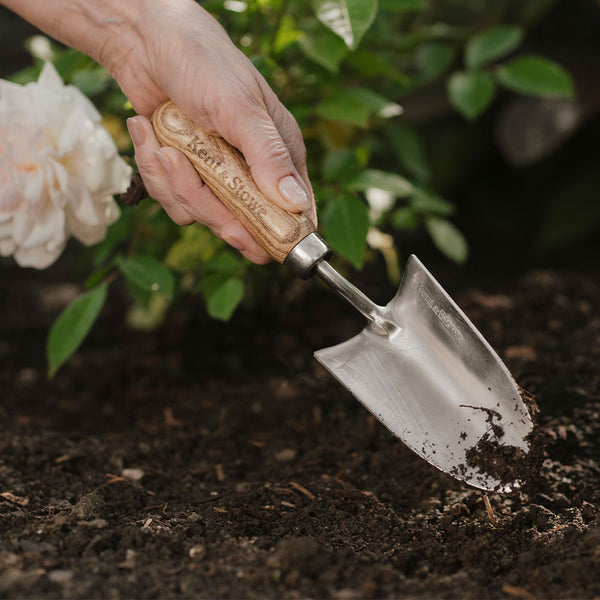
(190, 198)
(268, 147)
(152, 175)
(180, 197)
(274, 150)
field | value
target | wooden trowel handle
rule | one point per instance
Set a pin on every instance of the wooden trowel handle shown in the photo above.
(224, 170)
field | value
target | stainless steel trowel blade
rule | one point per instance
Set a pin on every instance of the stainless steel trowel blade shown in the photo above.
(436, 383)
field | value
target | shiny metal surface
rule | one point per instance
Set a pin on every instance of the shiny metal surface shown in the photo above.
(307, 254)
(432, 379)
(364, 305)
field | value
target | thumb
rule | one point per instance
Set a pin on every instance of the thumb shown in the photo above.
(271, 164)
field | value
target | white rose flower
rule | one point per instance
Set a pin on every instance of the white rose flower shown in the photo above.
(59, 169)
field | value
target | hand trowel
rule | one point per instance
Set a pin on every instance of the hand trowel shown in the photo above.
(420, 366)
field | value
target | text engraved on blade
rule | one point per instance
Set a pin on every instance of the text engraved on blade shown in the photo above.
(442, 315)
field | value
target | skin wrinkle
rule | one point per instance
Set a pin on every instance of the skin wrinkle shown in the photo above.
(288, 129)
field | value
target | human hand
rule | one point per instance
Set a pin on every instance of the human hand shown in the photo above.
(173, 49)
(186, 56)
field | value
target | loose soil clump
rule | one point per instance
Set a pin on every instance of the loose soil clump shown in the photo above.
(507, 464)
(510, 465)
(210, 460)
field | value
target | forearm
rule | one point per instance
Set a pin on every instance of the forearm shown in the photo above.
(92, 26)
(140, 42)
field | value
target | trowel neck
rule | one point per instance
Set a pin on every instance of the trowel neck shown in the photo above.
(309, 257)
(351, 294)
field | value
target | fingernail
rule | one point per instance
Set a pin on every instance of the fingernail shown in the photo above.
(293, 192)
(136, 131)
(165, 162)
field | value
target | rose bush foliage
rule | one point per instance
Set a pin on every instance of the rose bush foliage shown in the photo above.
(344, 70)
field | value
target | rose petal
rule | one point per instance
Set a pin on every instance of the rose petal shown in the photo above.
(118, 177)
(23, 223)
(38, 257)
(50, 79)
(49, 228)
(7, 247)
(86, 234)
(31, 181)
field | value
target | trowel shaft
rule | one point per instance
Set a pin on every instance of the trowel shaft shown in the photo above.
(362, 303)
(341, 286)
(309, 257)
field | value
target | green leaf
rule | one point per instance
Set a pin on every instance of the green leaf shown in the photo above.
(373, 65)
(405, 218)
(349, 19)
(341, 107)
(537, 76)
(225, 263)
(471, 92)
(447, 239)
(28, 74)
(148, 274)
(70, 61)
(72, 325)
(491, 45)
(409, 148)
(356, 106)
(340, 164)
(428, 203)
(286, 34)
(94, 278)
(346, 223)
(384, 180)
(196, 246)
(324, 47)
(223, 296)
(434, 59)
(140, 296)
(265, 65)
(92, 81)
(378, 104)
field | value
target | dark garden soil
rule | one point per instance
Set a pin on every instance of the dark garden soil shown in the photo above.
(209, 460)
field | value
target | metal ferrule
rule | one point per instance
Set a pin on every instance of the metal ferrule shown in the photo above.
(307, 254)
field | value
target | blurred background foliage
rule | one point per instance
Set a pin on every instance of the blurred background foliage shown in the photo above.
(470, 126)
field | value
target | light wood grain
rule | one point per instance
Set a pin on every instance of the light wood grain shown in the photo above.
(224, 170)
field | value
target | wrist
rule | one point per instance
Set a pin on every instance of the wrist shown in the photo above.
(106, 31)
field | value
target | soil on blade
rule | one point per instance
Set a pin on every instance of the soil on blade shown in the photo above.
(505, 464)
(210, 460)
(510, 466)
